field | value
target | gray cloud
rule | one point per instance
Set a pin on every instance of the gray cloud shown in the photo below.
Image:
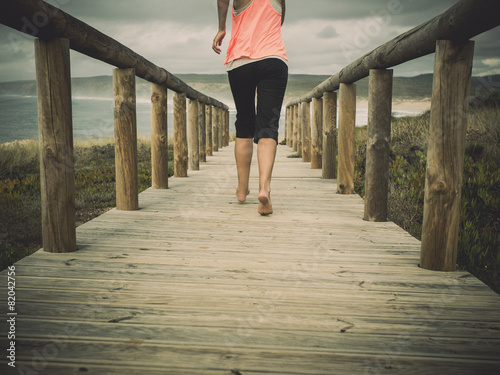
(322, 36)
(327, 32)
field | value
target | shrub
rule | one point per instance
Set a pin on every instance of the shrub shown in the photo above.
(479, 236)
(20, 211)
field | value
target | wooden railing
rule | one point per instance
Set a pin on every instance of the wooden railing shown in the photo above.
(448, 36)
(57, 33)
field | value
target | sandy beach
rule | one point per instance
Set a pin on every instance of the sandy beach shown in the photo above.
(402, 106)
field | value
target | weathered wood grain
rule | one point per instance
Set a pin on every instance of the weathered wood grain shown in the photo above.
(180, 136)
(215, 129)
(55, 129)
(445, 157)
(347, 124)
(305, 120)
(226, 124)
(298, 125)
(209, 127)
(330, 135)
(289, 127)
(125, 113)
(317, 134)
(378, 145)
(193, 137)
(159, 136)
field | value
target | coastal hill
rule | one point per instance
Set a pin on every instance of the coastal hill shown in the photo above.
(216, 85)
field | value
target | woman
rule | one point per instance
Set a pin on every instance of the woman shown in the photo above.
(256, 63)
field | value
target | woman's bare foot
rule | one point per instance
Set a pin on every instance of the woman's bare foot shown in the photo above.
(241, 196)
(265, 206)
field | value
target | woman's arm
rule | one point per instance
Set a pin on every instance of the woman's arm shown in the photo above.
(222, 8)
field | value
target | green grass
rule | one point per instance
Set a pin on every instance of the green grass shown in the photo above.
(479, 237)
(20, 212)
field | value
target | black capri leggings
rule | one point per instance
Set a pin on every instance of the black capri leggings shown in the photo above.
(269, 78)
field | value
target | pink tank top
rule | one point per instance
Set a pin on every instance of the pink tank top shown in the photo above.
(256, 33)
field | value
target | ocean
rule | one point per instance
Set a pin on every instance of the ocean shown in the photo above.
(93, 117)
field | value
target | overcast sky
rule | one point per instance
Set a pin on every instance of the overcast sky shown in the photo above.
(321, 36)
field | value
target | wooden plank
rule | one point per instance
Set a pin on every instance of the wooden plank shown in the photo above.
(370, 283)
(194, 296)
(343, 339)
(308, 322)
(227, 358)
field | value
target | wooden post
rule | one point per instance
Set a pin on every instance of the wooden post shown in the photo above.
(227, 127)
(202, 132)
(215, 127)
(317, 134)
(330, 135)
(378, 145)
(226, 113)
(220, 119)
(55, 126)
(193, 139)
(306, 131)
(296, 129)
(224, 137)
(226, 130)
(159, 136)
(445, 158)
(127, 183)
(209, 128)
(180, 138)
(347, 123)
(224, 127)
(289, 132)
(286, 126)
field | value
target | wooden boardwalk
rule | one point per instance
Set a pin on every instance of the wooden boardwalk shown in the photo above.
(195, 283)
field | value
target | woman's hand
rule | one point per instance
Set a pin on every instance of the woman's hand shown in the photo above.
(218, 41)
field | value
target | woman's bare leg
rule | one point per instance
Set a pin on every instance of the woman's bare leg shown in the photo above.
(266, 154)
(243, 151)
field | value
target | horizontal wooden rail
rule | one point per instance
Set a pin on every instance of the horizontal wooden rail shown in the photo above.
(466, 19)
(56, 32)
(44, 21)
(448, 36)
